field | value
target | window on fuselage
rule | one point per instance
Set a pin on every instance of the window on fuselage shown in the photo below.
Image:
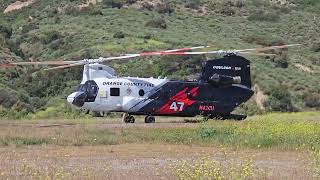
(114, 91)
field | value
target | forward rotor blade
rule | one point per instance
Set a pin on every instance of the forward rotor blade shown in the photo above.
(6, 65)
(64, 66)
(37, 63)
(90, 61)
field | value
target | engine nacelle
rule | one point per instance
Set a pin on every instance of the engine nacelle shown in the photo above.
(218, 79)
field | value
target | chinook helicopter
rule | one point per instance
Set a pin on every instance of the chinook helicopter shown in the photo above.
(223, 85)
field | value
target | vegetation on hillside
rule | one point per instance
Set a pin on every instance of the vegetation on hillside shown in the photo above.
(48, 30)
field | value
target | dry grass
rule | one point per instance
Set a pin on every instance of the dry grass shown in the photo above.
(149, 161)
(274, 146)
(276, 131)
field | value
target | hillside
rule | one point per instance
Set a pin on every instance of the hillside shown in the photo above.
(76, 29)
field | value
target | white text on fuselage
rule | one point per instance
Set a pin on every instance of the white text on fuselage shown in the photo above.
(227, 68)
(128, 84)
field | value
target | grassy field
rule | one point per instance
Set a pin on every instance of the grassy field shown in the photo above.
(261, 146)
(276, 131)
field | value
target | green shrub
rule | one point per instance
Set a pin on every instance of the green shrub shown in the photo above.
(164, 8)
(316, 46)
(310, 5)
(157, 23)
(193, 4)
(238, 3)
(114, 3)
(119, 35)
(7, 98)
(6, 30)
(315, 59)
(227, 10)
(28, 27)
(261, 15)
(71, 10)
(50, 36)
(95, 12)
(279, 99)
(207, 132)
(312, 100)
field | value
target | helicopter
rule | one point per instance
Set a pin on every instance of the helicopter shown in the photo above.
(223, 85)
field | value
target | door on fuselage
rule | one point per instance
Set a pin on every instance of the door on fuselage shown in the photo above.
(114, 99)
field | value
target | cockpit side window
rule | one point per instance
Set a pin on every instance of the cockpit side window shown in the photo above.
(81, 87)
(91, 89)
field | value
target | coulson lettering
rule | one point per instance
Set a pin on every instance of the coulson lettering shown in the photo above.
(227, 68)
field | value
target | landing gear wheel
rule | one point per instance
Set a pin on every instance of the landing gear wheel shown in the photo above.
(129, 119)
(149, 119)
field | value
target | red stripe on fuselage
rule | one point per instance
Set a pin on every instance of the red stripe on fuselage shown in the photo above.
(181, 101)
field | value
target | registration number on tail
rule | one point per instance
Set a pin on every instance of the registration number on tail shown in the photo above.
(206, 108)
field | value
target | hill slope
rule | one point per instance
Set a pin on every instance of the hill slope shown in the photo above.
(73, 30)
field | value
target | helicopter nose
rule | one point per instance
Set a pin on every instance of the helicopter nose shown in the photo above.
(77, 99)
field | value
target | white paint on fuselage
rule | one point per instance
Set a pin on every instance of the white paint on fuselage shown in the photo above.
(129, 99)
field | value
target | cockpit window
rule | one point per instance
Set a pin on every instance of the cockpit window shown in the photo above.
(81, 87)
(91, 89)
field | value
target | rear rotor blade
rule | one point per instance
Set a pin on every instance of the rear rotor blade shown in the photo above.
(258, 54)
(269, 48)
(222, 52)
(173, 50)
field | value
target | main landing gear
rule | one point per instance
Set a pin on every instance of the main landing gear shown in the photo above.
(127, 118)
(149, 119)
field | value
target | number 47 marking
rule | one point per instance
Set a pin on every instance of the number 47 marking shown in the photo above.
(177, 106)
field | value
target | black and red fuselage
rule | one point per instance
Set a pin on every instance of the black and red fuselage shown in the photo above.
(178, 98)
(223, 85)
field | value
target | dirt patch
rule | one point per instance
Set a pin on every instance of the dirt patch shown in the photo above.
(282, 2)
(134, 161)
(18, 5)
(303, 68)
(260, 98)
(85, 6)
(146, 4)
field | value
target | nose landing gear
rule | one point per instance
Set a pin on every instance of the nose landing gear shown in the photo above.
(128, 118)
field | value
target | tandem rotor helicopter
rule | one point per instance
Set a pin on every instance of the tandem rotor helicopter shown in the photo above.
(223, 85)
